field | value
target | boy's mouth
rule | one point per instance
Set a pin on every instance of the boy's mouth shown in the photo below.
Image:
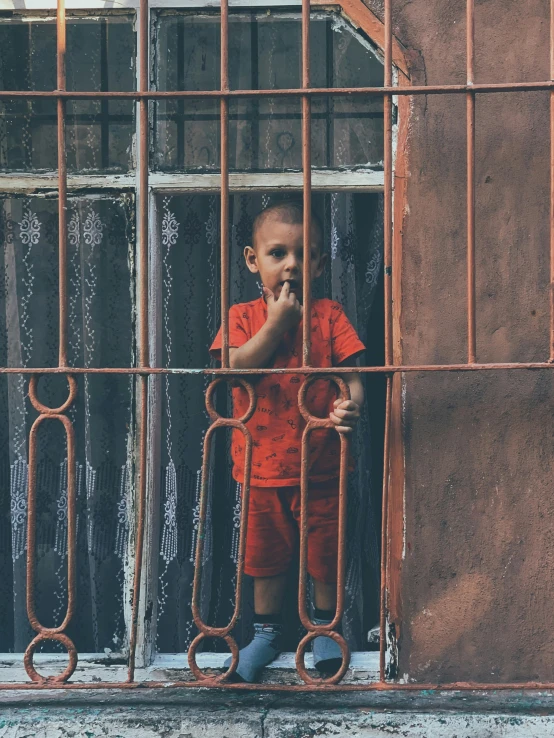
(294, 284)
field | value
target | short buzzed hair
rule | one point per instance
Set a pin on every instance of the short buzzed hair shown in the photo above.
(290, 211)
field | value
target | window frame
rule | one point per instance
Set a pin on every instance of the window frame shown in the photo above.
(362, 179)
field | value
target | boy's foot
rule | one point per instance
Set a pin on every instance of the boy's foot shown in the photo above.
(326, 652)
(261, 651)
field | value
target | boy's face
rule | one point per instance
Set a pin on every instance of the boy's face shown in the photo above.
(278, 256)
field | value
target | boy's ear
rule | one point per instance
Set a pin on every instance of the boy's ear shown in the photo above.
(250, 259)
(321, 265)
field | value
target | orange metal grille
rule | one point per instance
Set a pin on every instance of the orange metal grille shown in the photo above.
(143, 95)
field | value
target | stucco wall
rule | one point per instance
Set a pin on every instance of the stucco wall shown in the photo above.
(185, 723)
(477, 577)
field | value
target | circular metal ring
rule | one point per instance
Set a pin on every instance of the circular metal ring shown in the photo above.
(344, 392)
(214, 415)
(35, 402)
(71, 653)
(300, 653)
(198, 673)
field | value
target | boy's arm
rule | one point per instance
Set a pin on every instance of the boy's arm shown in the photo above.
(346, 413)
(282, 315)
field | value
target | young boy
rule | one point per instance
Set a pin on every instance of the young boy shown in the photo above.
(268, 333)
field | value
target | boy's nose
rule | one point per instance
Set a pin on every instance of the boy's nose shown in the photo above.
(292, 264)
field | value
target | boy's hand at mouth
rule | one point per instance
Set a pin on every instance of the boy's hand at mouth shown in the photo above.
(345, 415)
(284, 313)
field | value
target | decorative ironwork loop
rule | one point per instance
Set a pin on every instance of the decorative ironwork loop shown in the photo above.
(301, 651)
(71, 526)
(206, 630)
(214, 415)
(30, 651)
(44, 409)
(313, 420)
(197, 671)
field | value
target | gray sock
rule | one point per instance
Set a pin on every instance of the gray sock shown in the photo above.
(262, 649)
(326, 651)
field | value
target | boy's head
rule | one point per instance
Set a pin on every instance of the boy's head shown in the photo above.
(277, 247)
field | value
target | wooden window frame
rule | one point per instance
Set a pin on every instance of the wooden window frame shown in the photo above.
(149, 664)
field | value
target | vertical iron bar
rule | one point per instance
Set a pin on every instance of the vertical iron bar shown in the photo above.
(143, 328)
(388, 236)
(552, 183)
(385, 535)
(388, 183)
(307, 185)
(62, 183)
(470, 97)
(224, 122)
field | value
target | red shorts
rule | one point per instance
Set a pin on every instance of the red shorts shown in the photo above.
(273, 530)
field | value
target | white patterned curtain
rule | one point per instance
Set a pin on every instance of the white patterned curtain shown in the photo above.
(100, 333)
(189, 237)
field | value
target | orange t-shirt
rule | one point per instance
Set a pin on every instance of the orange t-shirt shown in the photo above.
(277, 424)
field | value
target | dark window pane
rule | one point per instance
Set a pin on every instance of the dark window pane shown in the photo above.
(100, 333)
(100, 57)
(264, 53)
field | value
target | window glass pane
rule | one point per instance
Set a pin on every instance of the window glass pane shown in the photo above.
(264, 53)
(100, 333)
(188, 233)
(100, 57)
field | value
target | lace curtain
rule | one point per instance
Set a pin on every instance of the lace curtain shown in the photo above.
(100, 333)
(189, 237)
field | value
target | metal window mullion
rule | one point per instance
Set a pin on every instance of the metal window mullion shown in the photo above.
(470, 122)
(224, 164)
(552, 183)
(62, 182)
(306, 185)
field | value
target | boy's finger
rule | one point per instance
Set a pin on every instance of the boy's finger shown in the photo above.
(342, 413)
(285, 292)
(338, 420)
(268, 294)
(346, 429)
(346, 404)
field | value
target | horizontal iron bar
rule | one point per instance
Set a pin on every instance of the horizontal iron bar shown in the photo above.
(373, 687)
(294, 92)
(298, 370)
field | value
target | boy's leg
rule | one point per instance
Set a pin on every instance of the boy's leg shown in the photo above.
(266, 644)
(326, 651)
(268, 594)
(325, 596)
(269, 547)
(323, 510)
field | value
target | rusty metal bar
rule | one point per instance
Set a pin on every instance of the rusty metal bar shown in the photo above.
(55, 633)
(306, 186)
(470, 112)
(385, 536)
(313, 422)
(552, 183)
(62, 183)
(224, 156)
(388, 164)
(143, 331)
(497, 87)
(392, 369)
(206, 630)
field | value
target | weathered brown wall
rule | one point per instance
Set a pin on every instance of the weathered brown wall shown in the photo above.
(478, 574)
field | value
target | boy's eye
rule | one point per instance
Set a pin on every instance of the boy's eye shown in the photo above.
(277, 253)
